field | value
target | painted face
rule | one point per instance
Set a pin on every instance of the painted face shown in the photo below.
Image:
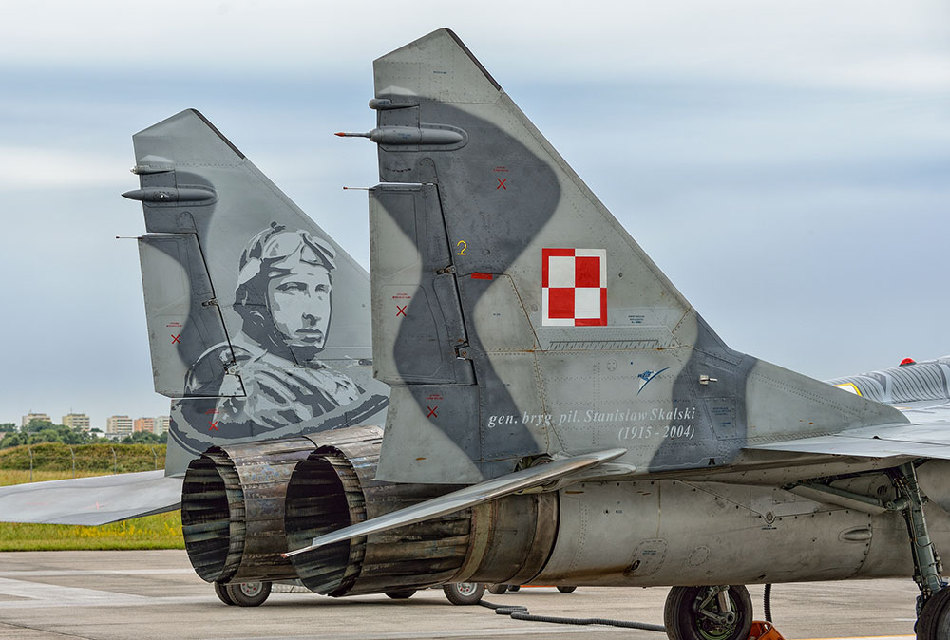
(300, 304)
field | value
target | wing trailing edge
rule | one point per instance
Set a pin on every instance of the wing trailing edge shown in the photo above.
(468, 497)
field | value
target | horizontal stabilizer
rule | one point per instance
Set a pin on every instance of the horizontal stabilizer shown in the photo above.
(882, 441)
(467, 497)
(91, 501)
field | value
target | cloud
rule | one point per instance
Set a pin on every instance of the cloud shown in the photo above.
(23, 168)
(850, 42)
(770, 156)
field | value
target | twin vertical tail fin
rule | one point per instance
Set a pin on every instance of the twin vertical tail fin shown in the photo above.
(516, 319)
(257, 320)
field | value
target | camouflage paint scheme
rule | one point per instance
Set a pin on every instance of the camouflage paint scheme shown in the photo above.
(654, 379)
(606, 434)
(734, 469)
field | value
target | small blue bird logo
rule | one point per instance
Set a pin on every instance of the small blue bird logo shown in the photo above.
(647, 376)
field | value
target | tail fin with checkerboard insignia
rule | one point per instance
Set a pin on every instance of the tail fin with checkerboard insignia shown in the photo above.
(517, 320)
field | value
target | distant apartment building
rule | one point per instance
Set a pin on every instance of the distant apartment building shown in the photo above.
(161, 424)
(144, 424)
(30, 417)
(76, 421)
(119, 425)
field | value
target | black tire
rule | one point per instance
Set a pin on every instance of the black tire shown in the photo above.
(248, 594)
(567, 589)
(514, 588)
(497, 588)
(934, 620)
(464, 593)
(683, 619)
(402, 594)
(222, 592)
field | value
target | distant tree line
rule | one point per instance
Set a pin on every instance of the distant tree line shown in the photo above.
(102, 457)
(38, 431)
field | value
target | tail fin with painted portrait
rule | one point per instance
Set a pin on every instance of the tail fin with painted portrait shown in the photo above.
(249, 329)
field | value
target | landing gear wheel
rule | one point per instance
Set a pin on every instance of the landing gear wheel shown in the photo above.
(221, 591)
(497, 588)
(464, 593)
(248, 594)
(567, 589)
(514, 588)
(934, 620)
(402, 594)
(708, 613)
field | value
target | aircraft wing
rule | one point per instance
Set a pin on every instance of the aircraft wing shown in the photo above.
(919, 440)
(91, 501)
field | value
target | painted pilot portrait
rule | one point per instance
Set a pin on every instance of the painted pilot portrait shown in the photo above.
(284, 287)
(284, 299)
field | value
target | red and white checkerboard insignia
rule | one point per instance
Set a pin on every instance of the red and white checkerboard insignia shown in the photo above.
(574, 287)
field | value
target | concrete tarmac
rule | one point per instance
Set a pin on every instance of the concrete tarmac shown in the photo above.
(145, 595)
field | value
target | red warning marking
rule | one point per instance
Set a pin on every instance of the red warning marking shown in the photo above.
(501, 169)
(501, 184)
(401, 311)
(176, 338)
(210, 412)
(214, 426)
(432, 413)
(482, 276)
(434, 396)
(173, 325)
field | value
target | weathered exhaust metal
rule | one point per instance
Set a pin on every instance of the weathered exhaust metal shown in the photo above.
(336, 487)
(232, 510)
(244, 505)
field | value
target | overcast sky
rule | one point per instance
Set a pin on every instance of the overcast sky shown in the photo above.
(785, 163)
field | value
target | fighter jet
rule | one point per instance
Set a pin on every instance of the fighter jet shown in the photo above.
(559, 414)
(605, 434)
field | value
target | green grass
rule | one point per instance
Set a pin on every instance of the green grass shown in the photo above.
(52, 461)
(18, 476)
(154, 532)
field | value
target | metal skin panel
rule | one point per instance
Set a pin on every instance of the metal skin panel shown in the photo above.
(934, 478)
(180, 320)
(415, 300)
(432, 437)
(502, 435)
(645, 534)
(510, 200)
(498, 310)
(926, 382)
(295, 306)
(520, 539)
